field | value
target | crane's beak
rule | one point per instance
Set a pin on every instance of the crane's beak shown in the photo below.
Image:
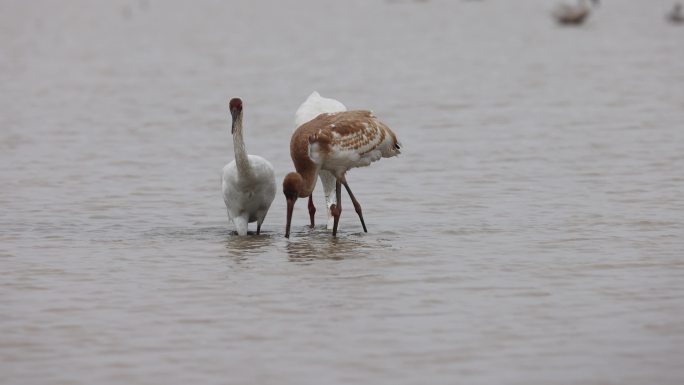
(290, 207)
(234, 113)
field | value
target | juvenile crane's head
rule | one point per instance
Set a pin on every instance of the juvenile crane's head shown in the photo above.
(292, 186)
(235, 107)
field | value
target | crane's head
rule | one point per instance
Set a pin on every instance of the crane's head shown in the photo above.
(235, 107)
(292, 186)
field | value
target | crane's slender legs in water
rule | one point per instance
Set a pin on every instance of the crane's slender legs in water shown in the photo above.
(312, 210)
(336, 209)
(357, 206)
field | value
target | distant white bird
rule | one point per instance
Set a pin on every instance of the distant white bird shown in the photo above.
(675, 16)
(313, 106)
(248, 182)
(573, 14)
(335, 143)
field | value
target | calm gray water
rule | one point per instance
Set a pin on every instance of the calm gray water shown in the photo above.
(531, 232)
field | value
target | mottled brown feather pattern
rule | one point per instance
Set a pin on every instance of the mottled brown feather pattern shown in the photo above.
(349, 130)
(357, 131)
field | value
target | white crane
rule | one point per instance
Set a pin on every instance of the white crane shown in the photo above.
(248, 182)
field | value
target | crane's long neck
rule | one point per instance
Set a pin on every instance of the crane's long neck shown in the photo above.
(305, 167)
(241, 159)
(308, 181)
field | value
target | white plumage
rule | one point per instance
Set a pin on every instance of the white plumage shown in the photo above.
(315, 105)
(248, 182)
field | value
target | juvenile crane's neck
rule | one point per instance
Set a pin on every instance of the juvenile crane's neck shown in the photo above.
(304, 166)
(308, 181)
(241, 159)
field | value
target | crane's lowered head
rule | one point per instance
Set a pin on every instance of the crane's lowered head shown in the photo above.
(292, 186)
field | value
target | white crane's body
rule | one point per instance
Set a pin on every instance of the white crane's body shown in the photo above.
(248, 196)
(248, 182)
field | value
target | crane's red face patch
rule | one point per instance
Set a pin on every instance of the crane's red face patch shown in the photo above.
(235, 104)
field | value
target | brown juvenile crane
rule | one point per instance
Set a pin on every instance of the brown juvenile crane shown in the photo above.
(335, 142)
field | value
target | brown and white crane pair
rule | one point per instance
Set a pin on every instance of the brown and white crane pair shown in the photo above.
(328, 142)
